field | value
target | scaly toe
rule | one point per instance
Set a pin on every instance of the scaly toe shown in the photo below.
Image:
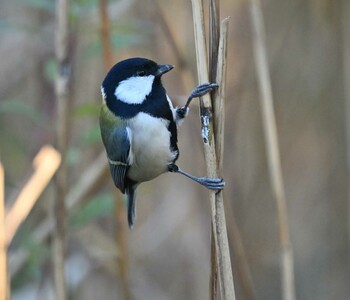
(212, 183)
(203, 89)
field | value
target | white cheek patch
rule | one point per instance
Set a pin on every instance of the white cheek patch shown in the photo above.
(134, 89)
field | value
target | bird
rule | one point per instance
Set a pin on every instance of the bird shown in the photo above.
(138, 125)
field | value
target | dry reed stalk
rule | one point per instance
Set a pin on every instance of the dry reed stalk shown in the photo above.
(214, 32)
(272, 148)
(219, 94)
(45, 163)
(219, 123)
(241, 269)
(62, 123)
(3, 246)
(216, 198)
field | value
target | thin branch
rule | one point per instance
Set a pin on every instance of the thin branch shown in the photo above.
(216, 199)
(272, 148)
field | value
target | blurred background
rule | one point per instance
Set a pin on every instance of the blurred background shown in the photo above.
(167, 254)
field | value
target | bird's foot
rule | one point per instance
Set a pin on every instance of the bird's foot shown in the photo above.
(203, 89)
(212, 183)
(200, 91)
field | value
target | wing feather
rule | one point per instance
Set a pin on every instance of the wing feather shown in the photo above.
(119, 153)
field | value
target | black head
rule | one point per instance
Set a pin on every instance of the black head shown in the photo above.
(134, 85)
(134, 67)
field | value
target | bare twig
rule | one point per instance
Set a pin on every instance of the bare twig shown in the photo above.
(45, 164)
(3, 247)
(272, 149)
(62, 100)
(216, 199)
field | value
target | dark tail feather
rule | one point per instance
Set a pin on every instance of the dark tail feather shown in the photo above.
(131, 194)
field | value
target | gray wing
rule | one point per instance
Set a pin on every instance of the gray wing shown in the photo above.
(118, 151)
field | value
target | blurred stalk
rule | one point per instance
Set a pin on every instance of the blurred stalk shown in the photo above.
(241, 267)
(218, 96)
(346, 73)
(62, 100)
(45, 163)
(120, 224)
(105, 35)
(272, 149)
(216, 198)
(89, 182)
(3, 247)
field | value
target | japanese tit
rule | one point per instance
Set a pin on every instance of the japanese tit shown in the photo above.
(139, 126)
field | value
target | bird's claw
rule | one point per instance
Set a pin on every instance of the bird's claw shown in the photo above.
(202, 89)
(212, 183)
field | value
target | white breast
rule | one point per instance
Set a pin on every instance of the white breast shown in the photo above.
(150, 146)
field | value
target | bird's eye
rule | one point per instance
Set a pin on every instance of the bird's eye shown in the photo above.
(140, 73)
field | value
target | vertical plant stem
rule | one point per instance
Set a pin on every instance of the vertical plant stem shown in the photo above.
(62, 99)
(219, 94)
(214, 35)
(3, 247)
(214, 31)
(216, 199)
(45, 164)
(272, 149)
(242, 268)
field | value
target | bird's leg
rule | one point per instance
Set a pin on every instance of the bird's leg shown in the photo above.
(197, 92)
(210, 183)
